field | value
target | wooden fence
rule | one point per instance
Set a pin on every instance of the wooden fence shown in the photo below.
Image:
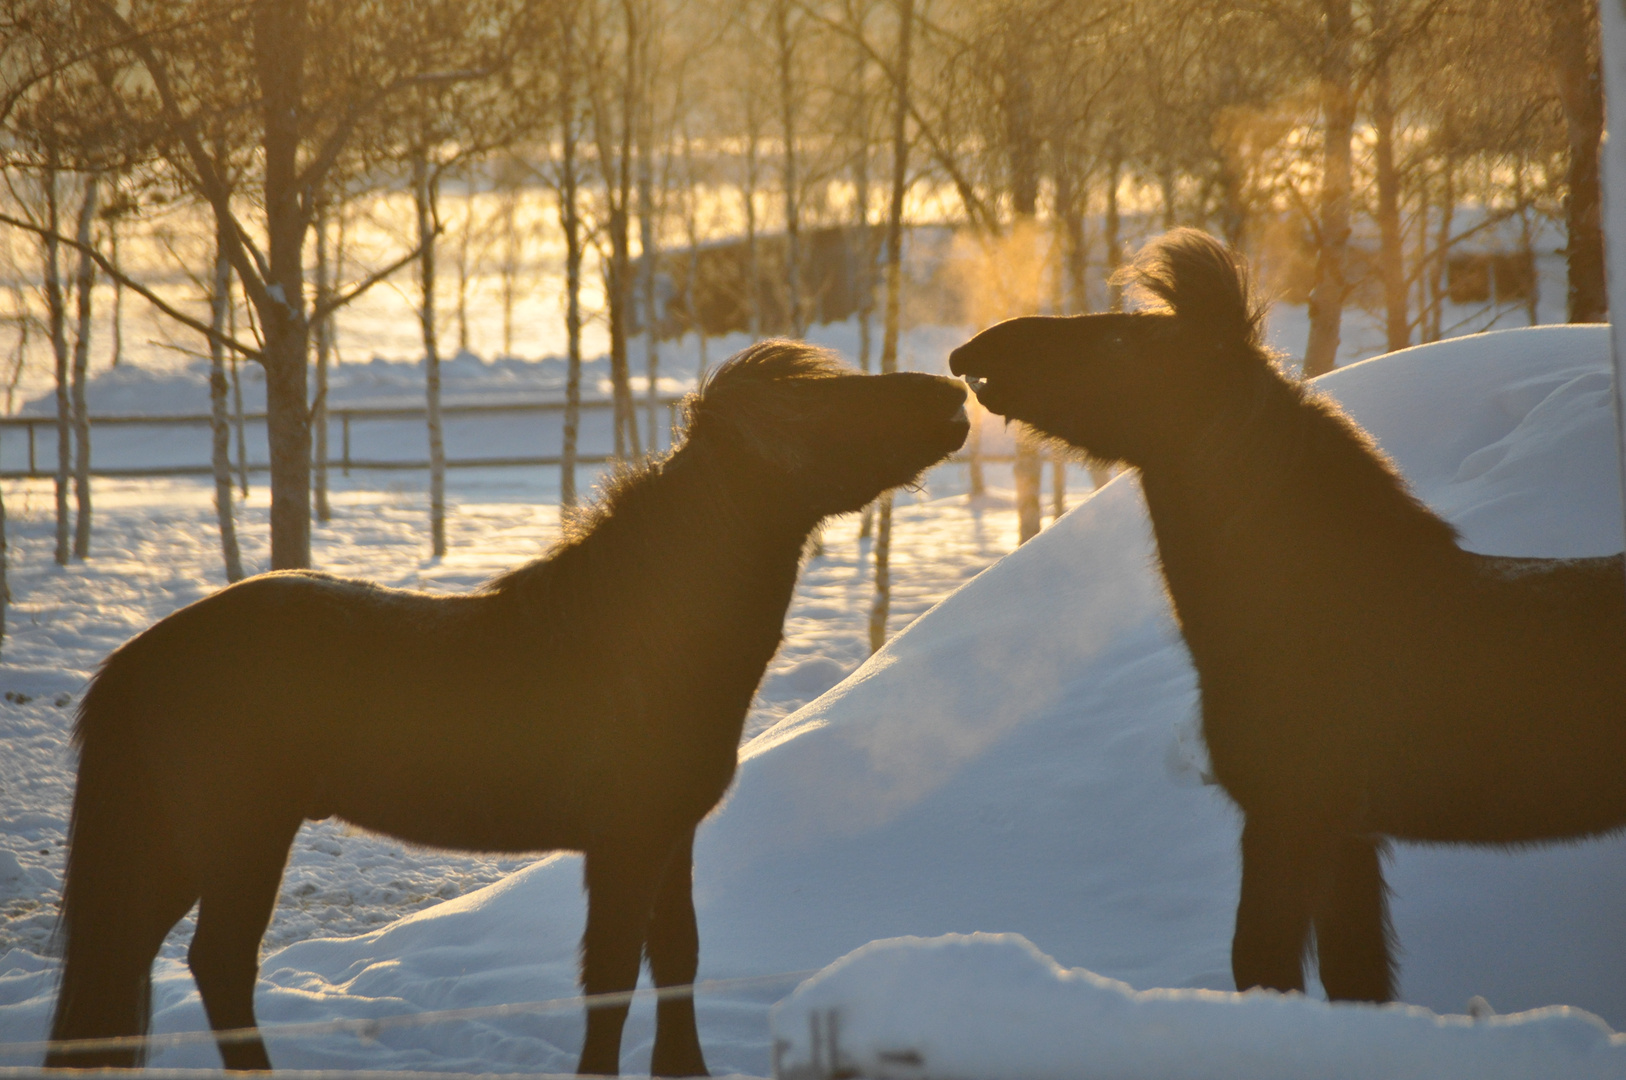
(346, 418)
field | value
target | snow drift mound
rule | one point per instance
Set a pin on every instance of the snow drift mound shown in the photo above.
(1024, 758)
(992, 1007)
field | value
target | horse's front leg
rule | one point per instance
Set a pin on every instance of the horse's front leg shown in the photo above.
(1281, 871)
(622, 877)
(674, 958)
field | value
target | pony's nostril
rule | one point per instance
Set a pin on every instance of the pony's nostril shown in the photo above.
(961, 415)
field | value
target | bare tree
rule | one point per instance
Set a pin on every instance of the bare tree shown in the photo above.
(324, 360)
(901, 108)
(220, 300)
(425, 204)
(194, 65)
(56, 308)
(1573, 33)
(84, 283)
(612, 92)
(785, 31)
(1337, 76)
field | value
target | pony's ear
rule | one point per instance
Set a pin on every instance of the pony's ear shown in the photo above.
(1203, 284)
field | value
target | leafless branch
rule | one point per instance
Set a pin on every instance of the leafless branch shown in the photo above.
(130, 283)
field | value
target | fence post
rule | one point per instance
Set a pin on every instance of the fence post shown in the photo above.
(33, 470)
(344, 417)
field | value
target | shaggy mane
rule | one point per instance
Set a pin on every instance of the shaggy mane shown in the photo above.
(777, 360)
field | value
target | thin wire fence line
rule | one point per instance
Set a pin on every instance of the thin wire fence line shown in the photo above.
(368, 1028)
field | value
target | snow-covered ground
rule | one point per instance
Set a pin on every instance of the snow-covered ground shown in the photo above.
(993, 1007)
(1022, 759)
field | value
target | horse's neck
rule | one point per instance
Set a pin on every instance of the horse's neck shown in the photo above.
(703, 542)
(1282, 497)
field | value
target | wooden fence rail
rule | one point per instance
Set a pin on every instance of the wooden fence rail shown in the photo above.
(345, 461)
(345, 416)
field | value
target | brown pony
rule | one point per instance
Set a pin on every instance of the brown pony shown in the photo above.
(1363, 677)
(591, 700)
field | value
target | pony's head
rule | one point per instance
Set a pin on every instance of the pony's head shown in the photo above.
(793, 416)
(1129, 386)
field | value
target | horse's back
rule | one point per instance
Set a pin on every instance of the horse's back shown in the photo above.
(1528, 740)
(256, 691)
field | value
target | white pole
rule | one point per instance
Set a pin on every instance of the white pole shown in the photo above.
(1613, 17)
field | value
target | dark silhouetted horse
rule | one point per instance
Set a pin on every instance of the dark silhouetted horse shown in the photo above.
(1363, 677)
(590, 701)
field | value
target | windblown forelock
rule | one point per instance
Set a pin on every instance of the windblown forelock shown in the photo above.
(754, 374)
(775, 360)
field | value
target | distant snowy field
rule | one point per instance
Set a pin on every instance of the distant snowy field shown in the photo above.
(1022, 759)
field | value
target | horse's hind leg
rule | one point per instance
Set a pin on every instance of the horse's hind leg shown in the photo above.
(239, 895)
(107, 963)
(1353, 938)
(674, 957)
(1280, 872)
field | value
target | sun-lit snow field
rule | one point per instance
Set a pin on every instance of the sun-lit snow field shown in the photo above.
(1022, 759)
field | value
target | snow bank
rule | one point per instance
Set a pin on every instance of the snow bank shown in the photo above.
(991, 1007)
(1024, 759)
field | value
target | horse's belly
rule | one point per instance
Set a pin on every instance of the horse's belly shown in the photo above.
(466, 825)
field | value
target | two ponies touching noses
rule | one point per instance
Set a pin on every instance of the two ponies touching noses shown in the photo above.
(591, 700)
(1363, 677)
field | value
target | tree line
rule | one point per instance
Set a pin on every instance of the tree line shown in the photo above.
(1296, 129)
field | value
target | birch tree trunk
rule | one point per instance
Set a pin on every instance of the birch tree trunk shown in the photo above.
(1391, 255)
(691, 226)
(5, 567)
(1075, 241)
(1338, 126)
(570, 220)
(1442, 249)
(510, 263)
(1527, 243)
(864, 246)
(424, 185)
(56, 313)
(618, 192)
(787, 113)
(1022, 148)
(753, 274)
(1110, 226)
(279, 53)
(219, 423)
(894, 297)
(463, 266)
(648, 242)
(85, 283)
(118, 291)
(1026, 473)
(324, 351)
(1574, 37)
(238, 422)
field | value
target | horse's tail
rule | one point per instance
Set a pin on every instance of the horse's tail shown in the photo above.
(124, 886)
(1205, 283)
